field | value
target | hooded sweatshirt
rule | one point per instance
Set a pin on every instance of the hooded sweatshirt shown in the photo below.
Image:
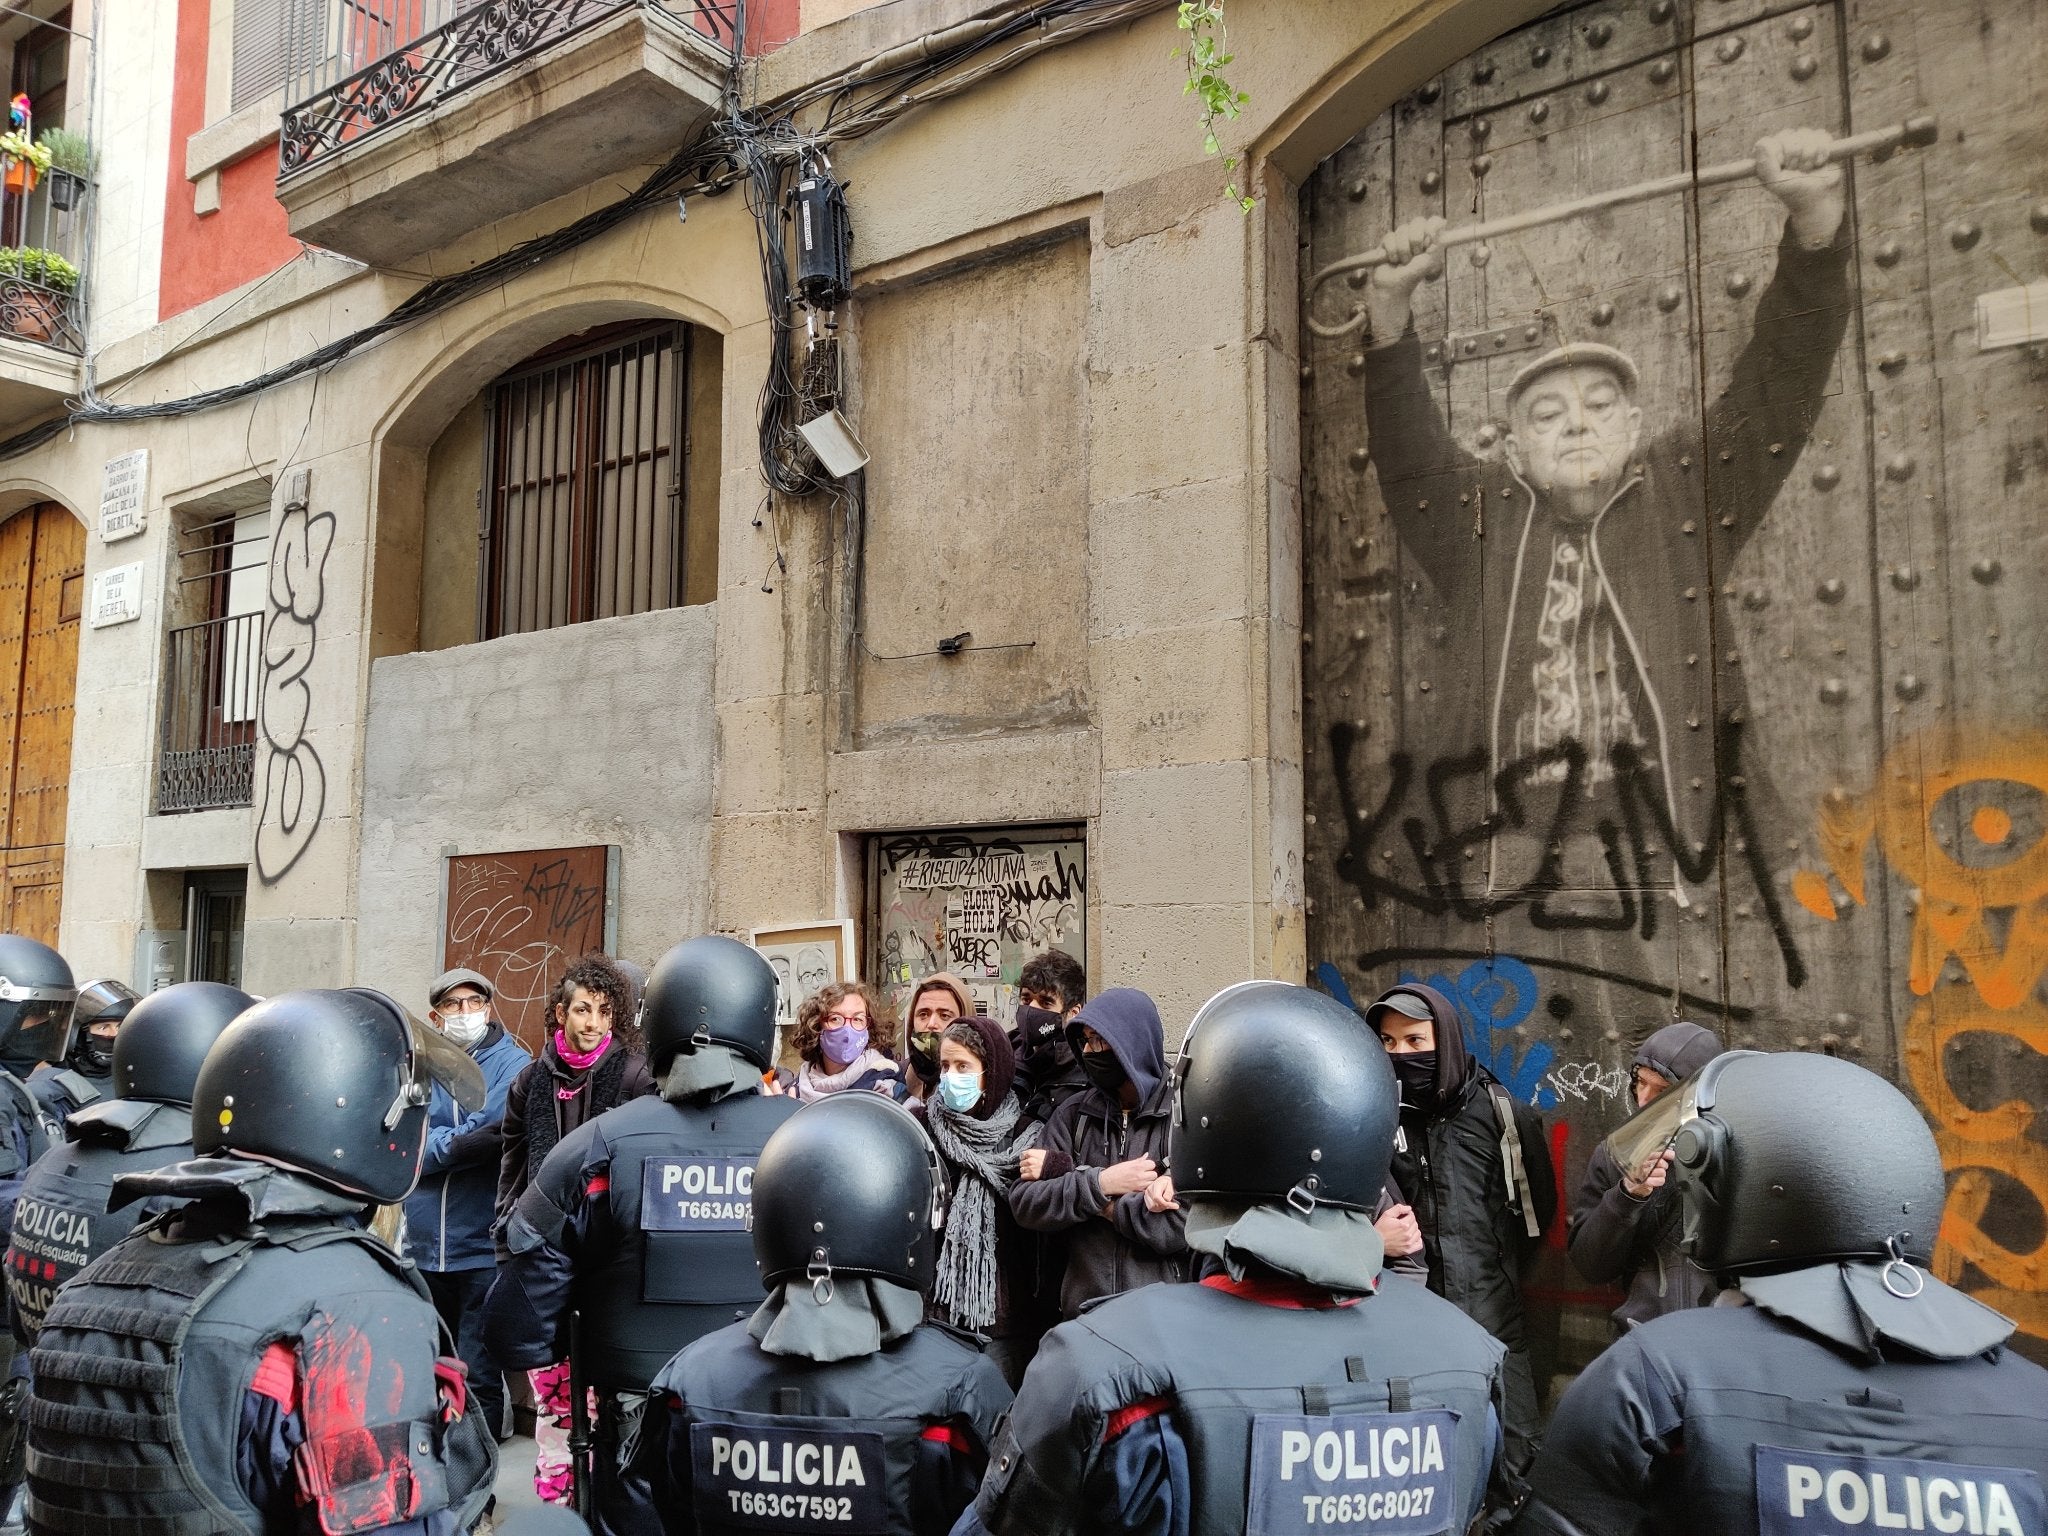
(1113, 1243)
(1616, 1237)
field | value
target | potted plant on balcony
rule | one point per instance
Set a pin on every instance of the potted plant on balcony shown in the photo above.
(72, 163)
(25, 160)
(35, 287)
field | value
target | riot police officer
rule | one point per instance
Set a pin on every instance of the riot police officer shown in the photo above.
(61, 1222)
(1853, 1390)
(882, 1419)
(635, 1228)
(1292, 1390)
(254, 1359)
(86, 1073)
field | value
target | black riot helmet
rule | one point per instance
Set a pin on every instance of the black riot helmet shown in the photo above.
(99, 1002)
(37, 992)
(332, 1084)
(848, 1186)
(1791, 1159)
(165, 1038)
(709, 991)
(1283, 1094)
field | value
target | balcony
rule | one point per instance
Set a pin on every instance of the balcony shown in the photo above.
(212, 677)
(458, 113)
(43, 218)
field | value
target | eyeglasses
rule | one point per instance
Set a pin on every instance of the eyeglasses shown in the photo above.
(470, 1004)
(852, 1020)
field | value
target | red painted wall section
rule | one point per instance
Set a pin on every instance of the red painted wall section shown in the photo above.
(771, 23)
(207, 256)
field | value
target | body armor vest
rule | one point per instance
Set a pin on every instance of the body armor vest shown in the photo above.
(775, 1442)
(65, 1090)
(61, 1222)
(144, 1361)
(1373, 1416)
(19, 1107)
(671, 1258)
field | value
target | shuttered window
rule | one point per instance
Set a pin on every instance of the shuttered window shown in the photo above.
(585, 487)
(275, 40)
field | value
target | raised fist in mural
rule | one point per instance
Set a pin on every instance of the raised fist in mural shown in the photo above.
(1794, 167)
(1412, 256)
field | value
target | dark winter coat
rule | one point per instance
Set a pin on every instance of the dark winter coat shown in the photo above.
(1615, 1236)
(537, 1115)
(1112, 1245)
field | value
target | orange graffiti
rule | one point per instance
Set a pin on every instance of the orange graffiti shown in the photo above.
(1961, 907)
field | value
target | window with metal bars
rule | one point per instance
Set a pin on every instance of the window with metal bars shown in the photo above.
(586, 483)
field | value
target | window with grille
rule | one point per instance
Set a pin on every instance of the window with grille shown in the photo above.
(585, 486)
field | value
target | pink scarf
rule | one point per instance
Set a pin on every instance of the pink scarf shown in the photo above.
(577, 1061)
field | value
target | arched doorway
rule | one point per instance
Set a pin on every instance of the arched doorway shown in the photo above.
(42, 593)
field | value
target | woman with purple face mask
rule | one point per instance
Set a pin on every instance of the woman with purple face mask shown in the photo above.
(846, 1035)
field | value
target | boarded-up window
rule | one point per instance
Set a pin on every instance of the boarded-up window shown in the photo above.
(521, 918)
(978, 902)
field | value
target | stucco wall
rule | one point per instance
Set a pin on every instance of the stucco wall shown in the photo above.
(593, 734)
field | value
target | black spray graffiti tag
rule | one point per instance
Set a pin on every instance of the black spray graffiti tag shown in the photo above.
(294, 779)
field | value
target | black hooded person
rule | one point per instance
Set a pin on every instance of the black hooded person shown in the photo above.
(1102, 1180)
(1296, 1391)
(1475, 1166)
(1837, 1386)
(1624, 1224)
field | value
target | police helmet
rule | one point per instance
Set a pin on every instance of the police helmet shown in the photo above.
(37, 992)
(1792, 1159)
(709, 991)
(165, 1038)
(1282, 1094)
(332, 1084)
(848, 1186)
(99, 1002)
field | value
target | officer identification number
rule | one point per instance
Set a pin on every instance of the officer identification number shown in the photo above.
(779, 1478)
(1387, 1474)
(697, 1194)
(1812, 1493)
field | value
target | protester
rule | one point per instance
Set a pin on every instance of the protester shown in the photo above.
(846, 1035)
(933, 1003)
(448, 1216)
(992, 1273)
(1626, 1225)
(1050, 991)
(1476, 1166)
(1097, 1175)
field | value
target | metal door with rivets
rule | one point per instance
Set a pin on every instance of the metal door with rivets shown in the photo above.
(1747, 722)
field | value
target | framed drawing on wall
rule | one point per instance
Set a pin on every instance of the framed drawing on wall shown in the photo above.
(805, 957)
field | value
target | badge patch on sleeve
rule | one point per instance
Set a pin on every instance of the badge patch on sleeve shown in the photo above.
(1386, 1474)
(1813, 1493)
(779, 1478)
(697, 1194)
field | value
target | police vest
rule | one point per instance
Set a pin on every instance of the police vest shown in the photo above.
(63, 1090)
(19, 1108)
(143, 1362)
(768, 1443)
(1365, 1418)
(61, 1221)
(674, 1258)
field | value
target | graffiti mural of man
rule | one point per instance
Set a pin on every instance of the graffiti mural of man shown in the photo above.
(1592, 528)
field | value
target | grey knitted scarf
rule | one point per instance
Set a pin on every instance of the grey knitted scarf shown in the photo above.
(985, 1161)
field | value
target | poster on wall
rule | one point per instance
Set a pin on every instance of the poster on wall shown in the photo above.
(804, 957)
(522, 918)
(978, 902)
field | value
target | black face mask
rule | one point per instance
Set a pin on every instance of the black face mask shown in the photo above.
(1416, 1072)
(94, 1055)
(924, 1058)
(1104, 1071)
(1038, 1029)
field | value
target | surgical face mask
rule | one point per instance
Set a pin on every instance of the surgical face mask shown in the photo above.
(960, 1091)
(1416, 1071)
(1037, 1028)
(1104, 1070)
(466, 1029)
(843, 1042)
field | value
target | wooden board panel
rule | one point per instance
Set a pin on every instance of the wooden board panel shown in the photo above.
(49, 675)
(32, 893)
(17, 555)
(521, 919)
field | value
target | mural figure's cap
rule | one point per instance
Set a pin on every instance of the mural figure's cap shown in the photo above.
(1591, 353)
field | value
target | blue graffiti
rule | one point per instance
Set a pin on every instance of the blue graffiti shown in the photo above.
(1492, 996)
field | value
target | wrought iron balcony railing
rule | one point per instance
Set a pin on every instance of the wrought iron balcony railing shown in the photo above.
(42, 236)
(213, 673)
(409, 56)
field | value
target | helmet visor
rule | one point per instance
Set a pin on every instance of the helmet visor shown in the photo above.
(35, 1024)
(436, 1058)
(1646, 1133)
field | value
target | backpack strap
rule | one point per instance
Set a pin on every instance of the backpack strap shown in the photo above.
(1520, 1192)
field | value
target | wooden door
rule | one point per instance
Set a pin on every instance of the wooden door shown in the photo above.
(42, 589)
(1762, 741)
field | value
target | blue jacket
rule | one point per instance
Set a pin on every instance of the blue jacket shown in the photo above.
(448, 1217)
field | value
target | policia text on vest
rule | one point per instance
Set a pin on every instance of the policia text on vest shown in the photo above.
(1810, 1493)
(779, 1478)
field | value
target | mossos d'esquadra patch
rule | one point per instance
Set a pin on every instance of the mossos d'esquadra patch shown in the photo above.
(1377, 1474)
(1812, 1493)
